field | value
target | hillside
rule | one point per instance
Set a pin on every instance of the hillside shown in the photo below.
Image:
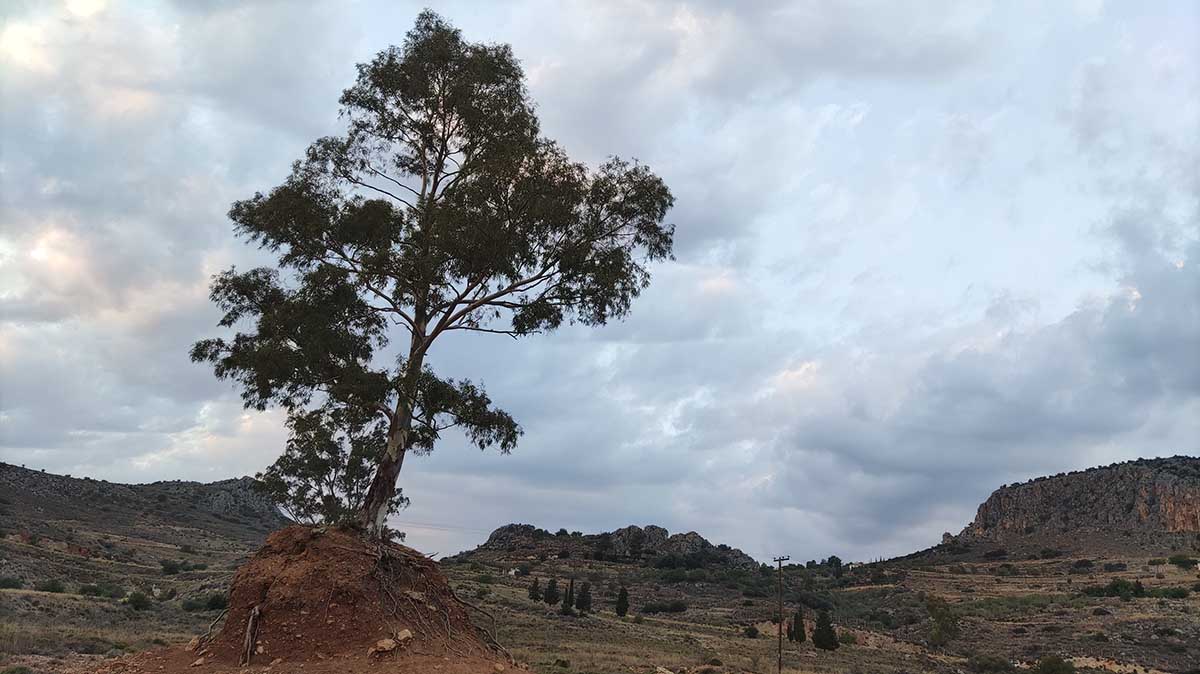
(631, 545)
(1112, 608)
(74, 551)
(1148, 505)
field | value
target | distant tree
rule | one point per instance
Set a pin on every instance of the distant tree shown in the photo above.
(750, 631)
(795, 627)
(943, 622)
(550, 596)
(562, 532)
(823, 635)
(602, 547)
(440, 209)
(623, 602)
(835, 566)
(583, 602)
(569, 597)
(535, 591)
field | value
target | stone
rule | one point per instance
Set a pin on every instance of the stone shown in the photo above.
(198, 662)
(192, 645)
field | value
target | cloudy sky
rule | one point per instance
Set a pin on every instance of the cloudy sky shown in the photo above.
(919, 254)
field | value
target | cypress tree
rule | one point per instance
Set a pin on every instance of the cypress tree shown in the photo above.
(823, 635)
(551, 595)
(623, 602)
(798, 626)
(569, 599)
(535, 590)
(584, 601)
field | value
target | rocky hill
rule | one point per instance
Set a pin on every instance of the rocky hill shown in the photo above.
(1144, 504)
(650, 545)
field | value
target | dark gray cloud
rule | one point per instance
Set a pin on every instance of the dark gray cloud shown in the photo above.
(921, 254)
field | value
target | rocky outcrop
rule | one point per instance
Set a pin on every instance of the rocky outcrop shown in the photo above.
(1145, 496)
(632, 544)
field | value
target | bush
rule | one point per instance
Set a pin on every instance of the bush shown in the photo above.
(187, 550)
(54, 585)
(1052, 664)
(170, 566)
(676, 606)
(847, 638)
(751, 632)
(1115, 566)
(139, 601)
(1182, 561)
(623, 602)
(11, 583)
(16, 669)
(944, 623)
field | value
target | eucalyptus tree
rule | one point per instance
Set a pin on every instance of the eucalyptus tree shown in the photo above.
(441, 208)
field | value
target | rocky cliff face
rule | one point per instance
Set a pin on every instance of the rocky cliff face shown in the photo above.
(632, 544)
(1144, 496)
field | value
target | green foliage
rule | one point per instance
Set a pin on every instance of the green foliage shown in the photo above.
(550, 596)
(622, 602)
(1182, 561)
(943, 621)
(796, 631)
(1117, 587)
(171, 567)
(751, 632)
(440, 209)
(10, 583)
(847, 638)
(16, 669)
(583, 602)
(823, 636)
(138, 601)
(673, 606)
(569, 598)
(53, 585)
(535, 590)
(212, 602)
(1052, 664)
(326, 467)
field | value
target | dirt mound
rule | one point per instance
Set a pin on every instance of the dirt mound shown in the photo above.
(326, 596)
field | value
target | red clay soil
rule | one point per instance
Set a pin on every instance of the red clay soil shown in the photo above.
(325, 598)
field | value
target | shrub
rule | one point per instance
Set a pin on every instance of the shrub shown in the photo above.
(944, 623)
(751, 632)
(1182, 561)
(138, 601)
(187, 550)
(170, 566)
(523, 570)
(16, 669)
(486, 579)
(216, 602)
(847, 638)
(10, 583)
(675, 606)
(623, 602)
(1052, 664)
(1156, 561)
(1050, 553)
(823, 636)
(54, 585)
(535, 590)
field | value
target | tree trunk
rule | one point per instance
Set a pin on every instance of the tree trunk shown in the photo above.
(383, 485)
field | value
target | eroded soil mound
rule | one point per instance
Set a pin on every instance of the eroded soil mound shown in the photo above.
(324, 595)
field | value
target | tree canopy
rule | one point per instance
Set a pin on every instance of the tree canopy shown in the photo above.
(440, 209)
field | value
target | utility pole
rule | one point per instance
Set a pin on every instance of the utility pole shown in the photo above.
(780, 561)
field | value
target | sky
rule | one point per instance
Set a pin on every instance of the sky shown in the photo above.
(922, 250)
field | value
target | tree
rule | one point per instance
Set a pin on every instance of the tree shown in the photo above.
(324, 472)
(622, 602)
(440, 209)
(795, 627)
(551, 594)
(583, 602)
(823, 635)
(569, 597)
(943, 622)
(535, 591)
(835, 566)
